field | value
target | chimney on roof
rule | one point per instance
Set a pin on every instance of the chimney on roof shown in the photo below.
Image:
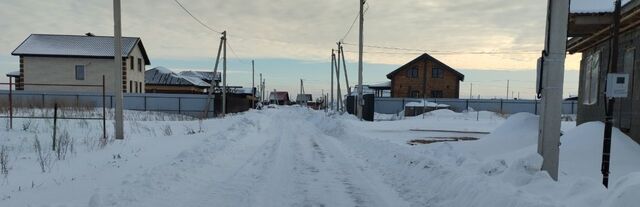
(89, 34)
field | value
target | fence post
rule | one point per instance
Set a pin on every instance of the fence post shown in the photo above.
(467, 109)
(43, 104)
(55, 122)
(501, 106)
(10, 104)
(104, 110)
(77, 101)
(536, 106)
(145, 102)
(179, 105)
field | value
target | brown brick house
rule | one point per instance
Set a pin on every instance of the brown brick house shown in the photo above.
(425, 77)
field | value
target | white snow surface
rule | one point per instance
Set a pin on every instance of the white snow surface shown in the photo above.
(293, 156)
(423, 103)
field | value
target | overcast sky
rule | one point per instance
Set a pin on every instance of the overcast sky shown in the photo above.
(292, 39)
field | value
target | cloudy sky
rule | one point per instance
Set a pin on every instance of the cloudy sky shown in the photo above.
(292, 39)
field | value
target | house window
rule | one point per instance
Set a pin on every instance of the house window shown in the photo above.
(79, 72)
(130, 86)
(437, 73)
(436, 94)
(412, 72)
(140, 64)
(414, 94)
(136, 83)
(140, 86)
(592, 79)
(131, 59)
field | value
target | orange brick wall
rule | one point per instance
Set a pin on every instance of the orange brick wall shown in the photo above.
(402, 84)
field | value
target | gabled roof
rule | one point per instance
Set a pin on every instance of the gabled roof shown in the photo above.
(279, 96)
(423, 57)
(76, 46)
(164, 76)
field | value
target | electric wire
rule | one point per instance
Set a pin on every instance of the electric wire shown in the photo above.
(196, 18)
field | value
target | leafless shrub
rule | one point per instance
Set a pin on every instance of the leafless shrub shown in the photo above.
(200, 130)
(167, 130)
(64, 145)
(26, 124)
(4, 161)
(44, 157)
(190, 131)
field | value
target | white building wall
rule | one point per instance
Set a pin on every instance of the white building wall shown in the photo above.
(61, 70)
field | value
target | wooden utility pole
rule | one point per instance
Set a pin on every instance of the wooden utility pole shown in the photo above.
(332, 71)
(608, 124)
(339, 91)
(117, 59)
(344, 67)
(224, 75)
(360, 101)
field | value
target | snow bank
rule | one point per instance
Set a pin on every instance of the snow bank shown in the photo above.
(581, 152)
(519, 131)
(625, 192)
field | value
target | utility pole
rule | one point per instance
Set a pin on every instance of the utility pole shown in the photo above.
(213, 79)
(361, 40)
(507, 89)
(471, 92)
(224, 75)
(338, 81)
(117, 57)
(332, 59)
(253, 84)
(552, 82)
(608, 124)
(260, 90)
(344, 67)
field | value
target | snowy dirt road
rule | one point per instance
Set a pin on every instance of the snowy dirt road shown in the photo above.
(277, 163)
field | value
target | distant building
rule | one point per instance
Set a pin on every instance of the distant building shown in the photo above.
(425, 77)
(78, 60)
(279, 98)
(163, 80)
(303, 99)
(590, 34)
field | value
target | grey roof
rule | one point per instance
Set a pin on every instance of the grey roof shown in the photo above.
(204, 75)
(76, 46)
(164, 76)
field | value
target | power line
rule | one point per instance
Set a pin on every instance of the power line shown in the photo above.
(196, 18)
(354, 23)
(447, 52)
(439, 51)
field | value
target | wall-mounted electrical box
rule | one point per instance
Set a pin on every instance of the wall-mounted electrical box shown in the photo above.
(617, 85)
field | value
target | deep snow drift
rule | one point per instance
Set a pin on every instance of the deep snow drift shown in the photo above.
(293, 156)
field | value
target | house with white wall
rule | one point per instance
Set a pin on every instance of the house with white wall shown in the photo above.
(78, 60)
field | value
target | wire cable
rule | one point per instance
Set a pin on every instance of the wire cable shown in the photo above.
(354, 22)
(196, 18)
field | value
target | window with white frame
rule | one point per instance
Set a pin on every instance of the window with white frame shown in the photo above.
(592, 79)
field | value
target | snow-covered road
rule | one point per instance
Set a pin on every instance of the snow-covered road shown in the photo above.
(274, 163)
